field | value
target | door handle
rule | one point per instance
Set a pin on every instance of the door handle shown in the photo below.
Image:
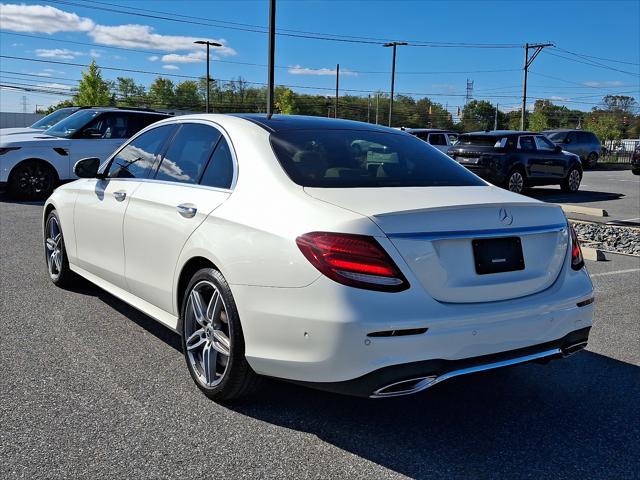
(120, 195)
(187, 210)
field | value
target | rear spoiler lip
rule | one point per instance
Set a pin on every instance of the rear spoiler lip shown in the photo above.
(494, 232)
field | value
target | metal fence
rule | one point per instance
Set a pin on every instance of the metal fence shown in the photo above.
(619, 153)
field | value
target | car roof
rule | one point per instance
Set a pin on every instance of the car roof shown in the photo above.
(426, 130)
(278, 123)
(502, 133)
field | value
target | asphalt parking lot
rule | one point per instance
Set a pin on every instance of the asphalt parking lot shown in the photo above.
(616, 191)
(90, 388)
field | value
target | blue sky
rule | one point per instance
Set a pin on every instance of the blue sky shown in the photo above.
(605, 29)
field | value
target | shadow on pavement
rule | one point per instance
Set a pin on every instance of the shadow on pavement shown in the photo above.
(554, 195)
(577, 417)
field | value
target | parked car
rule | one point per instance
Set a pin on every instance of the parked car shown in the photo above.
(31, 166)
(584, 144)
(42, 124)
(517, 160)
(635, 161)
(441, 139)
(276, 248)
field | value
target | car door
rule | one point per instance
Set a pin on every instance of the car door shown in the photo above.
(534, 161)
(194, 177)
(101, 205)
(101, 137)
(555, 162)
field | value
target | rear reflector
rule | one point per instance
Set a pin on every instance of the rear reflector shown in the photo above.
(355, 260)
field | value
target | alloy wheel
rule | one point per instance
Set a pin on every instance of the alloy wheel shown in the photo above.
(516, 182)
(34, 180)
(574, 180)
(53, 247)
(207, 333)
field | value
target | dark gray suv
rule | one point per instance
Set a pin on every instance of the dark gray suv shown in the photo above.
(584, 144)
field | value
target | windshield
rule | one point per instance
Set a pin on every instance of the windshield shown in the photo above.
(362, 158)
(70, 125)
(556, 136)
(53, 118)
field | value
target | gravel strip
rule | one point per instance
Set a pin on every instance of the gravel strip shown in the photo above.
(611, 238)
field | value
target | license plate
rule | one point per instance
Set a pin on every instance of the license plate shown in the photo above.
(496, 255)
(472, 160)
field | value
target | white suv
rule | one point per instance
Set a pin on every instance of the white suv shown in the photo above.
(33, 164)
(441, 139)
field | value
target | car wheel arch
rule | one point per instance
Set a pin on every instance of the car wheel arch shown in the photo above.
(39, 160)
(188, 270)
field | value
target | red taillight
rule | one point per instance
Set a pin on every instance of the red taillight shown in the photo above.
(577, 262)
(354, 260)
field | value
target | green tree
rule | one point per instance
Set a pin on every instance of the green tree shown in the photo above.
(92, 90)
(128, 92)
(53, 108)
(187, 96)
(478, 115)
(162, 93)
(604, 125)
(286, 101)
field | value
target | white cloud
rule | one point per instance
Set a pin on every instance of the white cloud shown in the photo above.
(95, 53)
(62, 53)
(171, 67)
(609, 83)
(55, 86)
(41, 74)
(51, 70)
(558, 98)
(193, 57)
(153, 58)
(41, 19)
(143, 36)
(299, 70)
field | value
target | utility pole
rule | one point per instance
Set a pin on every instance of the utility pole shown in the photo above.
(537, 48)
(208, 44)
(272, 49)
(337, 87)
(369, 108)
(495, 119)
(377, 105)
(393, 74)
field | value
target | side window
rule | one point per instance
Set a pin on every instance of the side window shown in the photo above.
(108, 125)
(137, 158)
(219, 172)
(544, 144)
(572, 137)
(526, 143)
(453, 138)
(437, 139)
(142, 120)
(188, 154)
(422, 136)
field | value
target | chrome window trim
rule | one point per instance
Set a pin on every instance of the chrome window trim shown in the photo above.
(178, 121)
(496, 232)
(167, 182)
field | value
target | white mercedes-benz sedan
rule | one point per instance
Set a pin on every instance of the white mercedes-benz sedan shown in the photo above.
(340, 255)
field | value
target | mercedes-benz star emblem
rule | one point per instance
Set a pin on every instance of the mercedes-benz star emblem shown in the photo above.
(505, 216)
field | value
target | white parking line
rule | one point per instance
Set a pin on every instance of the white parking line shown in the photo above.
(616, 272)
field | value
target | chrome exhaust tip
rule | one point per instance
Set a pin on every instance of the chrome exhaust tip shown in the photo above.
(573, 348)
(404, 387)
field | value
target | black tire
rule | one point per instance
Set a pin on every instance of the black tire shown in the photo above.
(238, 379)
(516, 181)
(635, 171)
(59, 271)
(591, 161)
(569, 185)
(32, 180)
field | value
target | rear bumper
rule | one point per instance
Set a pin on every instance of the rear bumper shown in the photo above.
(491, 175)
(415, 377)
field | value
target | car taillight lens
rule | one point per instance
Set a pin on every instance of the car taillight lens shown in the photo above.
(577, 262)
(354, 260)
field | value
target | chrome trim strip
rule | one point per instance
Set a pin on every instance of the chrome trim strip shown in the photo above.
(479, 233)
(430, 381)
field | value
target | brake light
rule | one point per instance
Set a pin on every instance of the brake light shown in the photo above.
(577, 261)
(355, 260)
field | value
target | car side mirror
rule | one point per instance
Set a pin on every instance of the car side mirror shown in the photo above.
(557, 149)
(87, 167)
(91, 133)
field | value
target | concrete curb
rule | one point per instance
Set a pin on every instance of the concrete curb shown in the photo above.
(593, 254)
(594, 212)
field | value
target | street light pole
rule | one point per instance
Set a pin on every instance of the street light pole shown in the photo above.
(208, 44)
(272, 50)
(393, 75)
(337, 87)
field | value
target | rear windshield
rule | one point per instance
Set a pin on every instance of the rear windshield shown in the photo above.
(362, 158)
(556, 136)
(480, 140)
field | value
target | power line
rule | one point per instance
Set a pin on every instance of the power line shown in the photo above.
(582, 55)
(594, 64)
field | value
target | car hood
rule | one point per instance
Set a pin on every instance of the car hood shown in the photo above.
(18, 131)
(37, 139)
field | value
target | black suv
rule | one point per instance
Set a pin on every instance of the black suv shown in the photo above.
(584, 144)
(516, 160)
